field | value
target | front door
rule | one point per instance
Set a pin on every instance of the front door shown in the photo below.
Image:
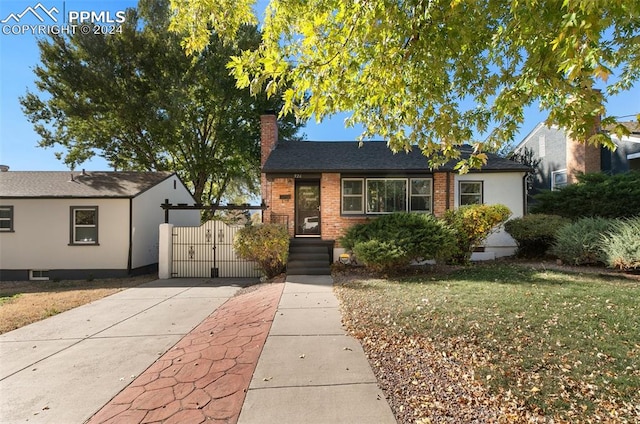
(307, 208)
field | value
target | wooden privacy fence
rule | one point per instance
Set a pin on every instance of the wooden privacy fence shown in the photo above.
(207, 252)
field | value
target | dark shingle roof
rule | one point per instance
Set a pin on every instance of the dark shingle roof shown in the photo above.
(373, 156)
(90, 184)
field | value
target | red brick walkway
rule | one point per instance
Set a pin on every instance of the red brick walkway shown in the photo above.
(205, 376)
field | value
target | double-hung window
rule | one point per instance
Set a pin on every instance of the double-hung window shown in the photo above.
(353, 195)
(6, 219)
(84, 225)
(420, 195)
(470, 193)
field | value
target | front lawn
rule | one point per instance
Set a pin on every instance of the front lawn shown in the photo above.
(502, 343)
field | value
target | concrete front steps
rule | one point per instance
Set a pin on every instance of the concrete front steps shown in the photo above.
(309, 256)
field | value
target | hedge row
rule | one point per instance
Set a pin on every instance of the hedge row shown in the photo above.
(586, 241)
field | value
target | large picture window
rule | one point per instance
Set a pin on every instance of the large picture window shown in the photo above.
(386, 195)
(470, 193)
(6, 218)
(84, 225)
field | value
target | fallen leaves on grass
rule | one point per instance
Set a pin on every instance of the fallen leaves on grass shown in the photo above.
(468, 369)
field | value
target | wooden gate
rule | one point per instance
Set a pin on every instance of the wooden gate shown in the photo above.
(207, 252)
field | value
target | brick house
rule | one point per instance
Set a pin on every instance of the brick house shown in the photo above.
(318, 189)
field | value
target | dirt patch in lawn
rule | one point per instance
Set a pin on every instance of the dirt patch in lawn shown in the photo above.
(24, 302)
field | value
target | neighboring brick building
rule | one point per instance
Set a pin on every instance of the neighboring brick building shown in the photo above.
(562, 158)
(318, 189)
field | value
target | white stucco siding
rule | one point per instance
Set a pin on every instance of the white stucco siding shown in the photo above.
(41, 237)
(504, 188)
(148, 215)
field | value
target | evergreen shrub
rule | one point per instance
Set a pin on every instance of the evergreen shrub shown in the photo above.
(535, 233)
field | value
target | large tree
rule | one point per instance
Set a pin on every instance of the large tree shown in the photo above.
(433, 73)
(137, 100)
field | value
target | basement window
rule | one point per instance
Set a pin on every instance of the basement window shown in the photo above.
(39, 274)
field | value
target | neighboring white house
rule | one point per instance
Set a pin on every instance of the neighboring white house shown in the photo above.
(83, 225)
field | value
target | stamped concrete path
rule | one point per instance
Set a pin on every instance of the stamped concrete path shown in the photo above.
(271, 354)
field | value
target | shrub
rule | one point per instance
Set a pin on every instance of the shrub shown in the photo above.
(472, 225)
(267, 244)
(580, 243)
(417, 236)
(380, 255)
(535, 233)
(615, 196)
(622, 244)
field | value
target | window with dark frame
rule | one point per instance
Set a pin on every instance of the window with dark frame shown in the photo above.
(6, 219)
(352, 196)
(470, 193)
(84, 225)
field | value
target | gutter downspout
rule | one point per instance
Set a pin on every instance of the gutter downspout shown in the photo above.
(130, 253)
(525, 198)
(448, 176)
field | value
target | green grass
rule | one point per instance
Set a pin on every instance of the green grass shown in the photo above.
(8, 297)
(567, 345)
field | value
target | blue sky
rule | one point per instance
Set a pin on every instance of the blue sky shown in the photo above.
(19, 55)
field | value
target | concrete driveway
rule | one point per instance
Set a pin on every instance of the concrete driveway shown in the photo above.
(92, 352)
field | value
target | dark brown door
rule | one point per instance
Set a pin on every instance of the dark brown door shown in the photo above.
(307, 208)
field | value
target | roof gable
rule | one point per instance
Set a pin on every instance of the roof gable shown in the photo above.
(45, 184)
(372, 156)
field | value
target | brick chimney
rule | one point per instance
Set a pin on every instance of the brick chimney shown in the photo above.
(268, 141)
(582, 157)
(268, 135)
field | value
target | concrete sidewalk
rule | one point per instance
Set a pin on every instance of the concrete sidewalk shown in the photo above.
(310, 370)
(64, 368)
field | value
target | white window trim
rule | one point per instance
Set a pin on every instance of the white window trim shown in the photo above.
(460, 193)
(430, 196)
(74, 226)
(41, 278)
(553, 178)
(361, 196)
(365, 197)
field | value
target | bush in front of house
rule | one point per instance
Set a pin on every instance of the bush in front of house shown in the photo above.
(596, 194)
(622, 244)
(535, 233)
(472, 225)
(406, 236)
(581, 243)
(381, 256)
(266, 244)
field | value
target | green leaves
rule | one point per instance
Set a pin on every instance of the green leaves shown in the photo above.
(433, 74)
(137, 100)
